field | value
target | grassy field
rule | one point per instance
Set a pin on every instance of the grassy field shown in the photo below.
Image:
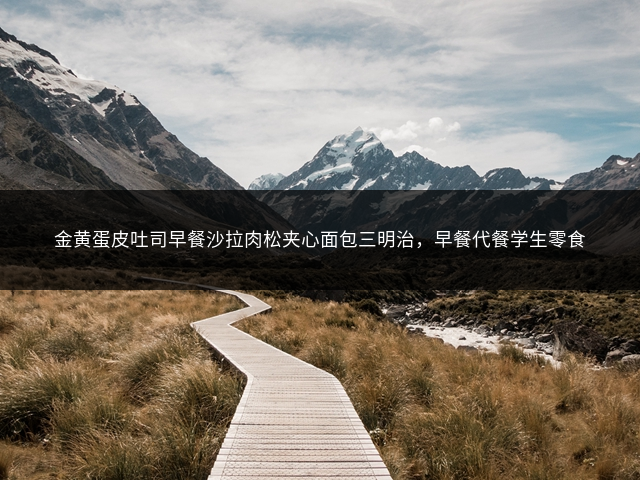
(115, 385)
(110, 385)
(438, 413)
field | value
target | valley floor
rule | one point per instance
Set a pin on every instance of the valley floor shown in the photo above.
(112, 384)
(436, 412)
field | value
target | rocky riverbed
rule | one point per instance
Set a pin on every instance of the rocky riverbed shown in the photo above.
(542, 332)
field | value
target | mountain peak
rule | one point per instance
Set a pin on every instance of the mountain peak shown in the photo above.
(345, 147)
(266, 182)
(102, 123)
(7, 37)
(359, 161)
(44, 71)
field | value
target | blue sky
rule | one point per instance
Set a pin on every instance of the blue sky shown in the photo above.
(258, 87)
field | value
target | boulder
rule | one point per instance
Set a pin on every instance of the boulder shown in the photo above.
(395, 311)
(436, 318)
(450, 322)
(467, 348)
(631, 362)
(546, 348)
(526, 342)
(631, 346)
(544, 338)
(615, 342)
(614, 357)
(525, 321)
(483, 330)
(571, 336)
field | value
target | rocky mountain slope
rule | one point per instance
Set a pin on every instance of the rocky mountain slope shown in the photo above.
(359, 161)
(102, 123)
(616, 173)
(33, 158)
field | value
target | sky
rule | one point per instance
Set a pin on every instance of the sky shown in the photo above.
(259, 87)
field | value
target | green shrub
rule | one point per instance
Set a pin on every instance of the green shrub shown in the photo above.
(573, 385)
(183, 451)
(369, 306)
(514, 354)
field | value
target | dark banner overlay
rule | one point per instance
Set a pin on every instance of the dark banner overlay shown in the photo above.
(321, 240)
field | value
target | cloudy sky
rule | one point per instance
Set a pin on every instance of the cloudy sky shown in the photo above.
(545, 86)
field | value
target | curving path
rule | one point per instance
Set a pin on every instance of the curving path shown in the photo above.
(294, 421)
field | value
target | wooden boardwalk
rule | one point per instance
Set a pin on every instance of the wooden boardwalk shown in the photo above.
(294, 421)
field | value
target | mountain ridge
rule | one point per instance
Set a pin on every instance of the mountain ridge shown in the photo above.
(359, 161)
(103, 123)
(616, 173)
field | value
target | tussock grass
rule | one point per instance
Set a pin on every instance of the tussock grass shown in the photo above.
(6, 463)
(195, 393)
(97, 413)
(27, 397)
(438, 413)
(141, 364)
(111, 385)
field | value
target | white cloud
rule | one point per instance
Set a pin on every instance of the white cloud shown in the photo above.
(411, 130)
(424, 151)
(534, 153)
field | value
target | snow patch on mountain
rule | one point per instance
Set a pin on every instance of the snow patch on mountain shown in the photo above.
(368, 183)
(266, 182)
(344, 147)
(48, 75)
(422, 186)
(329, 171)
(350, 184)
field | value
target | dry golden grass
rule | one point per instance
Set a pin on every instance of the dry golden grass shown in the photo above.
(110, 385)
(438, 413)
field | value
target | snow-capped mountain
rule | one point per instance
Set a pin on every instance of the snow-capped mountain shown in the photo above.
(616, 173)
(102, 123)
(266, 182)
(359, 161)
